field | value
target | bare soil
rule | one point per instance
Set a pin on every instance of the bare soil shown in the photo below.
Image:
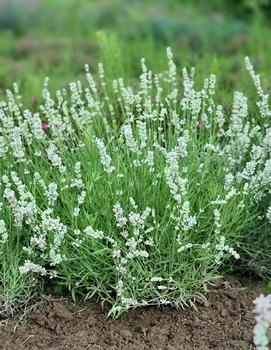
(224, 323)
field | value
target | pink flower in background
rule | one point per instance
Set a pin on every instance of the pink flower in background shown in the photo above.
(45, 126)
(34, 100)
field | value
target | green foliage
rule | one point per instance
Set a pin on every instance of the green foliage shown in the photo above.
(214, 37)
(138, 194)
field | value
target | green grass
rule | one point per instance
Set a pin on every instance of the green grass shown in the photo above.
(119, 34)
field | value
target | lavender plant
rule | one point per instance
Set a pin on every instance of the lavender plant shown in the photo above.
(133, 194)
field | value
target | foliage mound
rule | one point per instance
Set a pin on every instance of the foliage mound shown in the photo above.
(137, 195)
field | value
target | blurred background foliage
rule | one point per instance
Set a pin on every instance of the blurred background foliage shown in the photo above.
(41, 38)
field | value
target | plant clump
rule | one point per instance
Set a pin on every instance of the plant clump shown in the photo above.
(137, 195)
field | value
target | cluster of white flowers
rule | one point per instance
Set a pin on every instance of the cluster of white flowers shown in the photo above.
(223, 248)
(176, 183)
(77, 181)
(45, 243)
(16, 144)
(268, 214)
(35, 125)
(89, 231)
(133, 229)
(3, 232)
(150, 161)
(188, 163)
(80, 201)
(142, 130)
(262, 311)
(263, 103)
(29, 266)
(217, 219)
(129, 138)
(3, 146)
(52, 193)
(105, 158)
(120, 218)
(54, 157)
(58, 229)
(23, 207)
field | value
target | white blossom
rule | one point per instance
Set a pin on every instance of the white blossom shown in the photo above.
(105, 158)
(262, 311)
(29, 266)
(3, 232)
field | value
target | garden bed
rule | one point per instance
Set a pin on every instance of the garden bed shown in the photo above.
(224, 322)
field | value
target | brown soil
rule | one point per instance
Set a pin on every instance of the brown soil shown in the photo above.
(225, 323)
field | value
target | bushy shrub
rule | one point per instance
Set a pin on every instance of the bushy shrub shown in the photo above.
(133, 194)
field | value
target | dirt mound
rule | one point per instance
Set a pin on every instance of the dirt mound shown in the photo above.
(225, 323)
